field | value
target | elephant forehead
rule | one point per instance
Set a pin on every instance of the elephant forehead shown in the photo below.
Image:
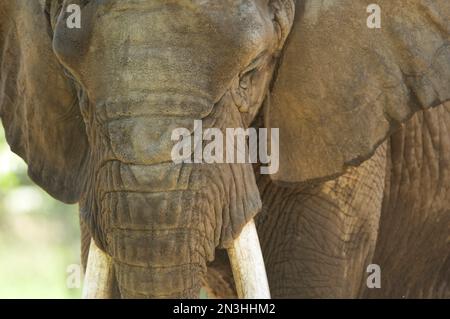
(171, 40)
(236, 20)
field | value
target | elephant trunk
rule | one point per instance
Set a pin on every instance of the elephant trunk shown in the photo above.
(154, 230)
(160, 221)
(158, 263)
(246, 262)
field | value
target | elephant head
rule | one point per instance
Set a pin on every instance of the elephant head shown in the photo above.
(91, 109)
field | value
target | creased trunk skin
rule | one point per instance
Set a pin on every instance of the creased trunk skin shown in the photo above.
(144, 210)
(162, 221)
(157, 263)
(154, 235)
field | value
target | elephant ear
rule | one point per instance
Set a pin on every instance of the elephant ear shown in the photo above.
(342, 87)
(38, 104)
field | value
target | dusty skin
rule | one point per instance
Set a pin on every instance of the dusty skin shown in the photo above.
(364, 123)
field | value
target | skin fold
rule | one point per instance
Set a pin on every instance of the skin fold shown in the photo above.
(364, 141)
(416, 214)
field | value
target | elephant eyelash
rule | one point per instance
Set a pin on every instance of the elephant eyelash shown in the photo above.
(255, 65)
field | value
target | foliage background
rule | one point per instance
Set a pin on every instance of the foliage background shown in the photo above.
(39, 236)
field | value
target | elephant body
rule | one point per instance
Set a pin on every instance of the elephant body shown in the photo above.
(392, 211)
(363, 138)
(413, 243)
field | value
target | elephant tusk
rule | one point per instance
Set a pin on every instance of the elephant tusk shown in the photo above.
(99, 276)
(247, 264)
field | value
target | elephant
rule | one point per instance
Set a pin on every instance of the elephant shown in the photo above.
(363, 115)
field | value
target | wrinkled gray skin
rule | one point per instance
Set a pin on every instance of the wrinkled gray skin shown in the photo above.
(364, 137)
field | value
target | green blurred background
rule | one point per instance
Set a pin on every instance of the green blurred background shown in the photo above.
(39, 236)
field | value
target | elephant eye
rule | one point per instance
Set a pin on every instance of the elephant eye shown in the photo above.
(256, 64)
(248, 87)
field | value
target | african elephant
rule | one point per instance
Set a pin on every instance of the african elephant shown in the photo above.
(364, 148)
